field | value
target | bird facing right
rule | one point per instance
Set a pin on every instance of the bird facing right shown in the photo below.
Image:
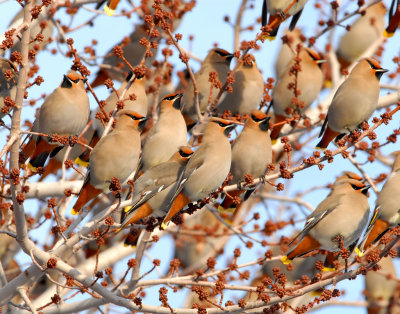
(341, 217)
(354, 101)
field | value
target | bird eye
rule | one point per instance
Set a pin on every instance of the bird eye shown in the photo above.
(222, 52)
(76, 81)
(372, 65)
(132, 116)
(221, 124)
(355, 187)
(170, 97)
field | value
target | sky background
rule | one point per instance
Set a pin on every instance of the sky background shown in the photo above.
(206, 23)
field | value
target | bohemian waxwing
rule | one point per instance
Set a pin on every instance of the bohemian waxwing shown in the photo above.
(354, 101)
(115, 155)
(288, 51)
(364, 32)
(207, 168)
(248, 89)
(154, 189)
(134, 52)
(137, 103)
(394, 19)
(217, 60)
(8, 83)
(167, 135)
(65, 112)
(341, 217)
(251, 154)
(35, 29)
(309, 83)
(380, 287)
(387, 207)
(278, 9)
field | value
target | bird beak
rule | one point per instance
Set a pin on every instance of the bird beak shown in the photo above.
(380, 72)
(177, 102)
(321, 61)
(142, 123)
(229, 57)
(264, 125)
(84, 80)
(365, 190)
(229, 129)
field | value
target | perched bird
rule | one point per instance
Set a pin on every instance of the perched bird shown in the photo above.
(217, 60)
(167, 135)
(280, 10)
(394, 19)
(114, 67)
(380, 287)
(135, 100)
(343, 214)
(387, 207)
(288, 51)
(309, 83)
(65, 112)
(154, 189)
(364, 32)
(354, 101)
(251, 155)
(115, 155)
(248, 89)
(8, 83)
(207, 168)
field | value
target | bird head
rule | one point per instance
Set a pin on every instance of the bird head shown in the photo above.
(224, 126)
(218, 55)
(315, 56)
(73, 79)
(353, 185)
(260, 119)
(368, 67)
(172, 100)
(126, 117)
(249, 61)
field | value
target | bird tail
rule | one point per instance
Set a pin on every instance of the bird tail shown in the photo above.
(377, 231)
(329, 135)
(394, 21)
(52, 167)
(101, 76)
(88, 192)
(277, 129)
(132, 238)
(111, 6)
(228, 203)
(180, 202)
(83, 159)
(305, 246)
(41, 153)
(135, 215)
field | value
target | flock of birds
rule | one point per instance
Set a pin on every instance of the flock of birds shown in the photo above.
(169, 174)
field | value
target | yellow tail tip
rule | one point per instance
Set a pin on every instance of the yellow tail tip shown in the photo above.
(328, 269)
(164, 226)
(133, 246)
(328, 84)
(223, 210)
(81, 162)
(273, 142)
(387, 34)
(271, 38)
(127, 208)
(74, 212)
(108, 10)
(32, 168)
(316, 293)
(285, 260)
(320, 148)
(359, 252)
